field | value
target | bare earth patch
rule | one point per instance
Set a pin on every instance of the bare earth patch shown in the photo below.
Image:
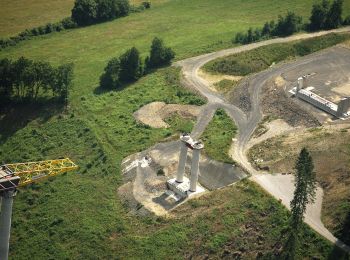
(274, 128)
(153, 114)
(212, 79)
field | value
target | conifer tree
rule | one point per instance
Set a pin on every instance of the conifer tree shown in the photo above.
(304, 193)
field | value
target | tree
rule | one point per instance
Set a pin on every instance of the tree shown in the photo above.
(6, 78)
(131, 67)
(159, 54)
(106, 10)
(84, 12)
(288, 25)
(110, 78)
(123, 7)
(318, 16)
(334, 16)
(63, 81)
(304, 193)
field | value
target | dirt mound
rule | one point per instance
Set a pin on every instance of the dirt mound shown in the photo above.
(153, 114)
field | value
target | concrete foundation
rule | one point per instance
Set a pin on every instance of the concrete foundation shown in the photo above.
(183, 189)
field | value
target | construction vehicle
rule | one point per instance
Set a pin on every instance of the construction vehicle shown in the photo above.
(17, 175)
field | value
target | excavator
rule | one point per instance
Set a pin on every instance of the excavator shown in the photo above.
(16, 175)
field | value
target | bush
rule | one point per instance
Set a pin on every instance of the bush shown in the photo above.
(131, 67)
(68, 23)
(346, 20)
(84, 12)
(159, 55)
(110, 78)
(146, 5)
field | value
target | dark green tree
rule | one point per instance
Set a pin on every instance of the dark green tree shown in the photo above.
(288, 25)
(131, 67)
(84, 12)
(334, 16)
(318, 16)
(160, 55)
(63, 82)
(304, 193)
(123, 7)
(110, 78)
(6, 78)
(106, 10)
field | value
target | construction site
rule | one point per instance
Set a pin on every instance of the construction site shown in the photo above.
(312, 91)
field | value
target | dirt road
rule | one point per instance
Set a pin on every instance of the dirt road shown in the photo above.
(280, 186)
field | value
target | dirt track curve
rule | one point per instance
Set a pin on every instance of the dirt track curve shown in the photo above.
(247, 122)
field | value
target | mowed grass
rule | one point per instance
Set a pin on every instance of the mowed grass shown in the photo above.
(18, 15)
(218, 135)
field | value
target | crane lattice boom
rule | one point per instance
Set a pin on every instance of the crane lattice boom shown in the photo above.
(33, 171)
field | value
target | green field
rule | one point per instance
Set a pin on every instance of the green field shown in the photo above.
(78, 215)
(218, 135)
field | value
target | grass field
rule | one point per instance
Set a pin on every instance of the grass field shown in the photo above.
(79, 215)
(18, 15)
(259, 59)
(218, 135)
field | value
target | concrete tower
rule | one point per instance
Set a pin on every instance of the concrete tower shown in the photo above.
(197, 147)
(185, 137)
(301, 83)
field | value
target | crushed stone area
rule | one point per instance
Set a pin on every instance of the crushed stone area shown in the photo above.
(275, 102)
(240, 96)
(274, 128)
(153, 114)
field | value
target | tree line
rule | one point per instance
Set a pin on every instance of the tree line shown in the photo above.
(129, 67)
(25, 79)
(84, 12)
(324, 16)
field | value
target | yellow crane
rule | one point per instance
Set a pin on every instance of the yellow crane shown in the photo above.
(17, 175)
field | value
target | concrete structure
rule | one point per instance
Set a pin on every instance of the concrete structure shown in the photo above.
(343, 107)
(341, 110)
(5, 222)
(197, 147)
(182, 185)
(183, 156)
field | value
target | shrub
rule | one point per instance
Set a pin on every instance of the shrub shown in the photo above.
(84, 12)
(68, 23)
(131, 67)
(110, 78)
(346, 20)
(159, 55)
(147, 5)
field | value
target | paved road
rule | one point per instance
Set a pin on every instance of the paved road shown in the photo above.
(247, 123)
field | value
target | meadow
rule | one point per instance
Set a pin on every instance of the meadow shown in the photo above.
(218, 135)
(79, 215)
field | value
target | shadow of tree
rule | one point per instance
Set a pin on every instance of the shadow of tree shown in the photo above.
(344, 236)
(16, 115)
(100, 90)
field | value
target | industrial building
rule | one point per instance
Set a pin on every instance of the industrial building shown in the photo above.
(340, 110)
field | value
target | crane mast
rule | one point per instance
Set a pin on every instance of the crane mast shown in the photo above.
(17, 175)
